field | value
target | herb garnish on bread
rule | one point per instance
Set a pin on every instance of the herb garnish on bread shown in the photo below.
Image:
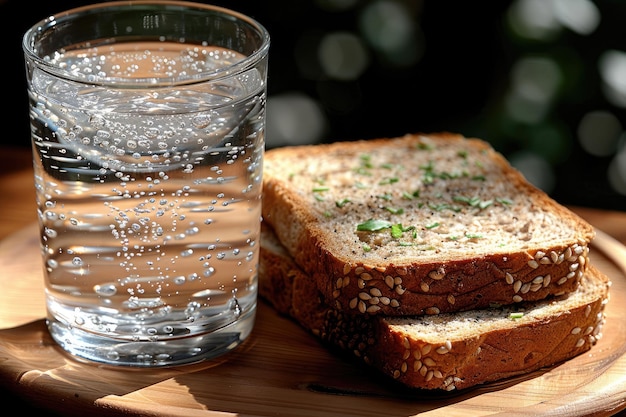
(420, 224)
(446, 351)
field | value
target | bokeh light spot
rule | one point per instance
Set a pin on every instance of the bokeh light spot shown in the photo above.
(342, 56)
(599, 132)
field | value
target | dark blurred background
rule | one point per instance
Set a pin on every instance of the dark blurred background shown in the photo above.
(544, 81)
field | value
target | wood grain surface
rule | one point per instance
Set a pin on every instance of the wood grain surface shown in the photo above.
(281, 370)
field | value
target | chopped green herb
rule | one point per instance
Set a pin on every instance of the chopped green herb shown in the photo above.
(373, 225)
(395, 210)
(462, 153)
(366, 247)
(396, 231)
(473, 235)
(388, 181)
(342, 202)
(320, 189)
(515, 316)
(385, 196)
(432, 225)
(504, 201)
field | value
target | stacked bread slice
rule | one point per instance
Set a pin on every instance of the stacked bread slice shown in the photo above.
(429, 257)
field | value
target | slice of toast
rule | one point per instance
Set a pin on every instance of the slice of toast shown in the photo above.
(420, 224)
(446, 351)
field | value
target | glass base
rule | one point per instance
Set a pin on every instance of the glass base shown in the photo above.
(161, 353)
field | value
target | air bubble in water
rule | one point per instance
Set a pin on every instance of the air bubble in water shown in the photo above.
(201, 121)
(77, 261)
(113, 355)
(106, 290)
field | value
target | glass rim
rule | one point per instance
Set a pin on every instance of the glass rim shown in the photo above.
(48, 23)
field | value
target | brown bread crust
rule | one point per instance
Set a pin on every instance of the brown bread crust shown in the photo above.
(483, 346)
(525, 246)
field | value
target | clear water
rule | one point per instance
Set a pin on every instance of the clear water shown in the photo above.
(149, 201)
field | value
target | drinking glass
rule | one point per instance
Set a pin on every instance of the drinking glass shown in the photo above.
(147, 123)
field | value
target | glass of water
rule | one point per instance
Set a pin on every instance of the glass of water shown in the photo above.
(147, 124)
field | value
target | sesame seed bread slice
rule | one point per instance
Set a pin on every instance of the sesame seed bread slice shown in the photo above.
(446, 351)
(420, 224)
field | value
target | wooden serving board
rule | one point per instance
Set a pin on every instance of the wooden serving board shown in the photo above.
(282, 370)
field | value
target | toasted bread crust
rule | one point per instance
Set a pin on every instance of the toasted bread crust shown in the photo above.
(473, 231)
(446, 351)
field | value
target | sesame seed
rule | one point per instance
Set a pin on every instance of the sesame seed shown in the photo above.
(373, 309)
(346, 269)
(389, 281)
(417, 365)
(517, 298)
(436, 274)
(375, 292)
(509, 278)
(568, 253)
(576, 330)
(429, 362)
(580, 342)
(546, 280)
(365, 276)
(406, 343)
(425, 287)
(432, 311)
(451, 299)
(533, 264)
(517, 286)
